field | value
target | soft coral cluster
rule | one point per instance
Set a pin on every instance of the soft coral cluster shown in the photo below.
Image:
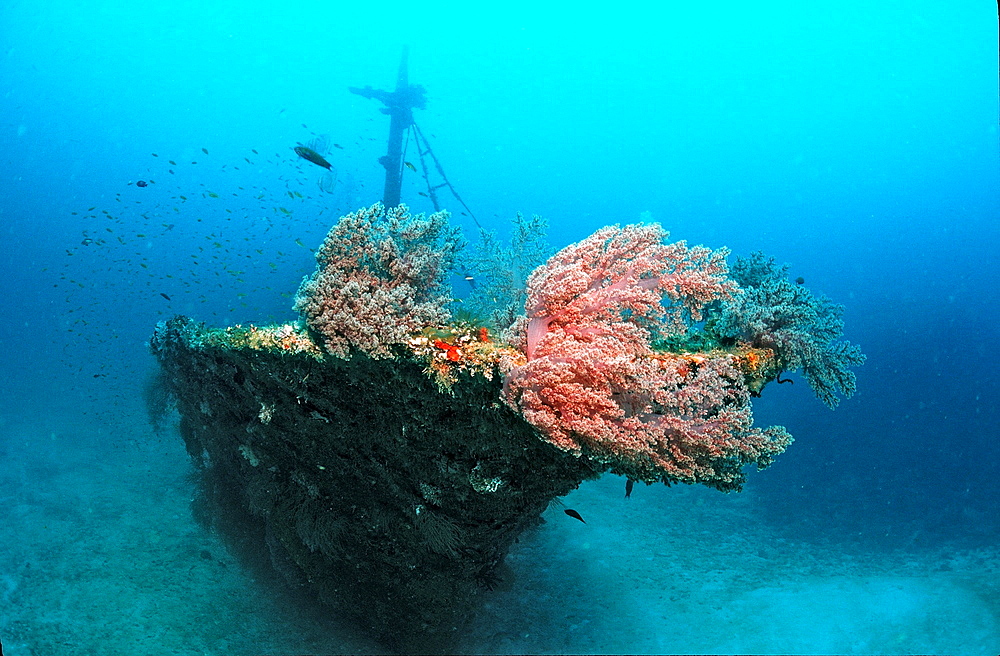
(802, 330)
(381, 275)
(623, 280)
(592, 384)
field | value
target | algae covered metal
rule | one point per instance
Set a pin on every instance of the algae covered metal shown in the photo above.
(394, 499)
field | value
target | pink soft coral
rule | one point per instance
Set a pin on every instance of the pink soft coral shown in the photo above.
(592, 383)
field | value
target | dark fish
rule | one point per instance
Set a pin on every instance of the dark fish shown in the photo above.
(164, 296)
(800, 281)
(420, 193)
(410, 166)
(628, 488)
(574, 514)
(204, 150)
(140, 183)
(311, 155)
(338, 146)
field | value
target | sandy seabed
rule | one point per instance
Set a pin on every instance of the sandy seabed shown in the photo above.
(101, 554)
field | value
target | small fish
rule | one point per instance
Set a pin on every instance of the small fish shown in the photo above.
(311, 155)
(141, 183)
(164, 296)
(800, 281)
(338, 146)
(410, 166)
(574, 514)
(423, 194)
(628, 488)
(204, 150)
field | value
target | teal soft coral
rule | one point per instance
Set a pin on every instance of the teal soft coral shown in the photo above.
(772, 312)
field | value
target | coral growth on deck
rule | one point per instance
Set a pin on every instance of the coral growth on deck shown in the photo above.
(640, 353)
(593, 384)
(381, 275)
(803, 331)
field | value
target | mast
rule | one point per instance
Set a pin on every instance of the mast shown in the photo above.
(399, 105)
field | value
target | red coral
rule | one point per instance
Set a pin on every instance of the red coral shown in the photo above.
(592, 383)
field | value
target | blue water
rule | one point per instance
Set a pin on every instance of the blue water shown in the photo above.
(856, 141)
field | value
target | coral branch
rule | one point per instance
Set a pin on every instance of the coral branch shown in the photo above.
(592, 383)
(380, 276)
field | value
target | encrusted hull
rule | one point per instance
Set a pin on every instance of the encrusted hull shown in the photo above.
(393, 500)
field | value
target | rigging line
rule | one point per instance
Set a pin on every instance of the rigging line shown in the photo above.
(420, 137)
(431, 190)
(402, 156)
